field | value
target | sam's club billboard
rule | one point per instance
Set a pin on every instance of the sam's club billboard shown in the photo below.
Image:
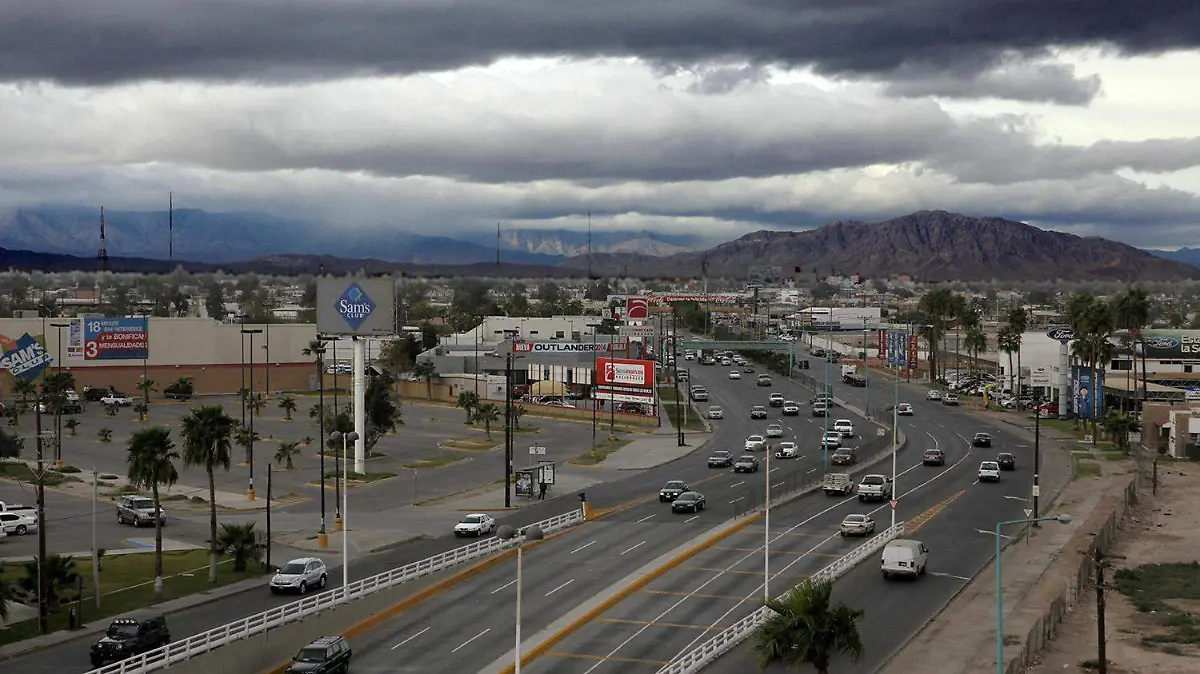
(1161, 344)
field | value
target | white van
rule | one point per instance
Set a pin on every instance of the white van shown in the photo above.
(904, 557)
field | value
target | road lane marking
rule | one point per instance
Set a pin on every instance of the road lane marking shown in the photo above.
(773, 470)
(585, 656)
(692, 518)
(412, 637)
(503, 586)
(814, 470)
(992, 533)
(625, 621)
(778, 484)
(646, 518)
(712, 570)
(460, 646)
(949, 575)
(775, 552)
(687, 595)
(585, 545)
(740, 498)
(737, 484)
(1017, 498)
(634, 547)
(560, 587)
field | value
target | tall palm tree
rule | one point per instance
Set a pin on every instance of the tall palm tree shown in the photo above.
(1131, 312)
(468, 401)
(427, 371)
(488, 413)
(937, 306)
(24, 388)
(207, 433)
(806, 628)
(1017, 322)
(1008, 341)
(1100, 325)
(146, 386)
(245, 438)
(975, 341)
(151, 463)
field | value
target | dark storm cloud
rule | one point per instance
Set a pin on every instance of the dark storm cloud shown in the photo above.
(1033, 82)
(285, 40)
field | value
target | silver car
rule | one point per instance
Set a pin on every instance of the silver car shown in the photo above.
(138, 511)
(300, 575)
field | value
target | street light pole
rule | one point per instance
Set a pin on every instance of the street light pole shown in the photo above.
(345, 438)
(532, 533)
(322, 534)
(42, 584)
(60, 398)
(1064, 519)
(242, 392)
(895, 444)
(1037, 453)
(767, 527)
(250, 403)
(828, 396)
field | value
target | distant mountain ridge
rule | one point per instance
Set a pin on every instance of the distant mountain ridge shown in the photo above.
(571, 243)
(1185, 255)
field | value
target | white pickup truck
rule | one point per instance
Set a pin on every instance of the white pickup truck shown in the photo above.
(837, 484)
(118, 399)
(874, 488)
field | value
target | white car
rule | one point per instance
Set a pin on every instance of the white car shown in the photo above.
(845, 427)
(300, 575)
(118, 399)
(734, 374)
(904, 410)
(774, 431)
(989, 471)
(787, 450)
(715, 412)
(17, 524)
(950, 399)
(790, 408)
(475, 524)
(933, 394)
(832, 440)
(756, 443)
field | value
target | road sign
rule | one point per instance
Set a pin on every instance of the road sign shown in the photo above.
(1028, 512)
(881, 432)
(1037, 491)
(893, 503)
(635, 331)
(537, 450)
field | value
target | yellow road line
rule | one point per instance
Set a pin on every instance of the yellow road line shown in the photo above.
(914, 525)
(602, 658)
(715, 570)
(624, 621)
(775, 551)
(667, 593)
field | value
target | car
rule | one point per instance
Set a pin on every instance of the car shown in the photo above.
(94, 394)
(820, 410)
(904, 410)
(690, 355)
(933, 457)
(683, 375)
(700, 394)
(748, 370)
(138, 511)
(745, 464)
(904, 557)
(734, 374)
(20, 509)
(688, 501)
(301, 575)
(756, 443)
(475, 524)
(325, 655)
(875, 488)
(1007, 461)
(671, 491)
(981, 440)
(775, 400)
(787, 450)
(758, 412)
(844, 457)
(989, 471)
(933, 394)
(845, 427)
(726, 362)
(831, 440)
(720, 459)
(17, 524)
(180, 390)
(950, 399)
(715, 412)
(129, 635)
(790, 408)
(774, 431)
(763, 380)
(857, 525)
(118, 399)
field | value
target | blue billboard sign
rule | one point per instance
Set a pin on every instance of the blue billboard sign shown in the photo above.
(116, 338)
(27, 359)
(896, 351)
(1087, 396)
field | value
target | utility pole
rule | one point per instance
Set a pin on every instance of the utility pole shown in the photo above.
(1100, 561)
(508, 434)
(43, 617)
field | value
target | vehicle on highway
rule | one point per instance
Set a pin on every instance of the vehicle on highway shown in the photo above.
(774, 431)
(790, 408)
(844, 457)
(904, 557)
(671, 490)
(820, 410)
(904, 410)
(745, 464)
(989, 471)
(933, 394)
(857, 525)
(831, 440)
(748, 369)
(837, 484)
(302, 575)
(326, 655)
(763, 380)
(845, 427)
(874, 488)
(787, 450)
(734, 374)
(118, 399)
(1007, 461)
(726, 362)
(758, 412)
(688, 501)
(856, 380)
(707, 360)
(826, 398)
(933, 457)
(683, 375)
(715, 412)
(138, 511)
(981, 440)
(17, 524)
(775, 400)
(699, 394)
(20, 509)
(475, 524)
(720, 459)
(129, 635)
(689, 355)
(756, 443)
(950, 399)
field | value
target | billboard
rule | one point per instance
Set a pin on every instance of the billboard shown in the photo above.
(896, 349)
(24, 358)
(882, 338)
(637, 308)
(522, 347)
(99, 338)
(1160, 344)
(356, 306)
(618, 397)
(1086, 394)
(621, 372)
(914, 351)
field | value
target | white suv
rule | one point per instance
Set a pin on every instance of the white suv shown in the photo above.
(989, 471)
(299, 575)
(844, 427)
(756, 443)
(475, 524)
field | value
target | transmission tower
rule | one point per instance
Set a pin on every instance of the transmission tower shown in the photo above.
(103, 254)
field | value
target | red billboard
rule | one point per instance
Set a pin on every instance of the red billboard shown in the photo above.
(622, 372)
(637, 308)
(914, 349)
(883, 335)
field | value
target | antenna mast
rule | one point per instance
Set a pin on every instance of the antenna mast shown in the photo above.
(171, 226)
(103, 254)
(589, 245)
(497, 244)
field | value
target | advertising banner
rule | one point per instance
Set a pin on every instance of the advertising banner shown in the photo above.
(637, 308)
(568, 347)
(635, 330)
(621, 372)
(914, 351)
(1040, 376)
(109, 339)
(1162, 344)
(356, 306)
(1085, 392)
(896, 349)
(882, 339)
(24, 358)
(616, 396)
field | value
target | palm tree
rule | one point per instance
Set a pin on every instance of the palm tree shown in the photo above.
(1018, 323)
(143, 412)
(257, 403)
(469, 401)
(104, 435)
(516, 412)
(1009, 341)
(245, 438)
(146, 386)
(1118, 426)
(285, 453)
(60, 577)
(239, 540)
(206, 442)
(975, 341)
(806, 629)
(288, 405)
(24, 388)
(1131, 312)
(72, 424)
(426, 371)
(151, 463)
(936, 305)
(488, 413)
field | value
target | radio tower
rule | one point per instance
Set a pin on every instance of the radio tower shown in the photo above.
(103, 254)
(589, 246)
(171, 226)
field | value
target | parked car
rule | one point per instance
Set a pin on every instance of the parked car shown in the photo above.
(139, 511)
(326, 655)
(129, 635)
(689, 501)
(950, 399)
(17, 524)
(300, 575)
(933, 394)
(475, 524)
(117, 398)
(1007, 461)
(180, 390)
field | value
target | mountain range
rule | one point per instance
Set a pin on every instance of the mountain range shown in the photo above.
(1186, 255)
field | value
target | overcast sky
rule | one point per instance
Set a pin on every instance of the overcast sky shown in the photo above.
(713, 116)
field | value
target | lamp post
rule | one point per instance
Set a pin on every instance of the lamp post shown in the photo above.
(895, 443)
(866, 373)
(827, 396)
(60, 397)
(242, 393)
(1064, 519)
(767, 527)
(1037, 452)
(319, 352)
(250, 402)
(345, 438)
(531, 533)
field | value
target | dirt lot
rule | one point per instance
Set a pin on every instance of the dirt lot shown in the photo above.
(1164, 637)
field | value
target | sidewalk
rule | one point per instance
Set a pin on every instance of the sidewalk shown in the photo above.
(144, 545)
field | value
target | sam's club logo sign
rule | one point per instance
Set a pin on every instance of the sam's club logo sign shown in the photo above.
(354, 306)
(26, 358)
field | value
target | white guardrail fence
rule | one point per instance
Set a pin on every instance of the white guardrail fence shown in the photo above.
(724, 641)
(198, 644)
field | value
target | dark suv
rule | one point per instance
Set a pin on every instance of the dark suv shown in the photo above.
(326, 655)
(180, 390)
(129, 635)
